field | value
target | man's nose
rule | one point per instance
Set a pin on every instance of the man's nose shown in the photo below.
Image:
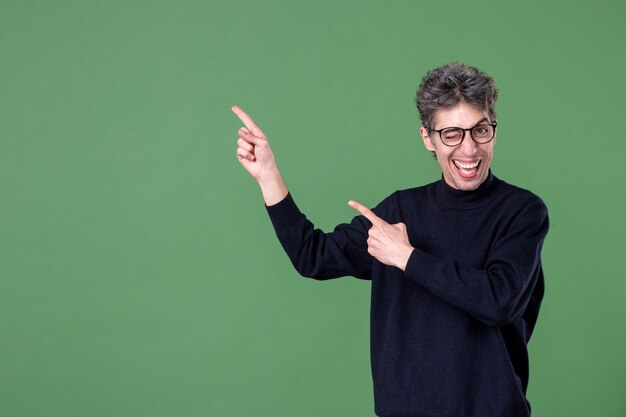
(468, 146)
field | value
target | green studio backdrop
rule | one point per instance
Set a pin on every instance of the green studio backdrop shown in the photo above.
(139, 273)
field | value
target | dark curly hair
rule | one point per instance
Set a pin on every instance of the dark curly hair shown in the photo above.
(446, 86)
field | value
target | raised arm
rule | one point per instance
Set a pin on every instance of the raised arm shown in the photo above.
(256, 156)
(313, 253)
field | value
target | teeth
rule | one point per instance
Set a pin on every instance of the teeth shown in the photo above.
(466, 165)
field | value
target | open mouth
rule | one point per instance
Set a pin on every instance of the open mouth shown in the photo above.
(466, 169)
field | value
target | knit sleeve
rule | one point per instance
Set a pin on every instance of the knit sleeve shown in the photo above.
(499, 293)
(317, 254)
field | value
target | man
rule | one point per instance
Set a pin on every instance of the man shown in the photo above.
(455, 265)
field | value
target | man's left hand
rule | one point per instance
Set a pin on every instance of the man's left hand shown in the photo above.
(389, 243)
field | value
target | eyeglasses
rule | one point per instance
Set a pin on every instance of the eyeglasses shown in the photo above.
(453, 136)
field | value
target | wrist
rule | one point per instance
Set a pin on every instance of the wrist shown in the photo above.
(269, 177)
(404, 257)
(273, 187)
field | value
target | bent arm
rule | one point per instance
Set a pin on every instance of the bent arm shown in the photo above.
(313, 253)
(499, 293)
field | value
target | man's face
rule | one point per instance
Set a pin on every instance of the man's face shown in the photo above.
(466, 165)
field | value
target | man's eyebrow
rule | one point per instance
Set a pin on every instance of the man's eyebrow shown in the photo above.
(484, 119)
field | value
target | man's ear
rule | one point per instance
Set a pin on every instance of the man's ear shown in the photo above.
(426, 138)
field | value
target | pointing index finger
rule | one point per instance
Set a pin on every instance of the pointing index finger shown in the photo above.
(247, 120)
(369, 214)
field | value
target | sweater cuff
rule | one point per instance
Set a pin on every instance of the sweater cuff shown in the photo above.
(418, 265)
(285, 212)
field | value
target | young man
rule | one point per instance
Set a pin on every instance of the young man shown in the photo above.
(455, 265)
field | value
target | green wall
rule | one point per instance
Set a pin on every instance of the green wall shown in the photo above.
(139, 274)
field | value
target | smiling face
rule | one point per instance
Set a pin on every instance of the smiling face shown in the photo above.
(464, 166)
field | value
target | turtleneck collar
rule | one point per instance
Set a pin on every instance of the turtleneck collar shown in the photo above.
(452, 198)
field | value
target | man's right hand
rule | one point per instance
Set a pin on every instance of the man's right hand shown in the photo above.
(256, 156)
(254, 150)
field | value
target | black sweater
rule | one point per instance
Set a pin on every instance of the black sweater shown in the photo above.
(448, 335)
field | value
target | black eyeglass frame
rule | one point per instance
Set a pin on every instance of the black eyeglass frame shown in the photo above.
(494, 125)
